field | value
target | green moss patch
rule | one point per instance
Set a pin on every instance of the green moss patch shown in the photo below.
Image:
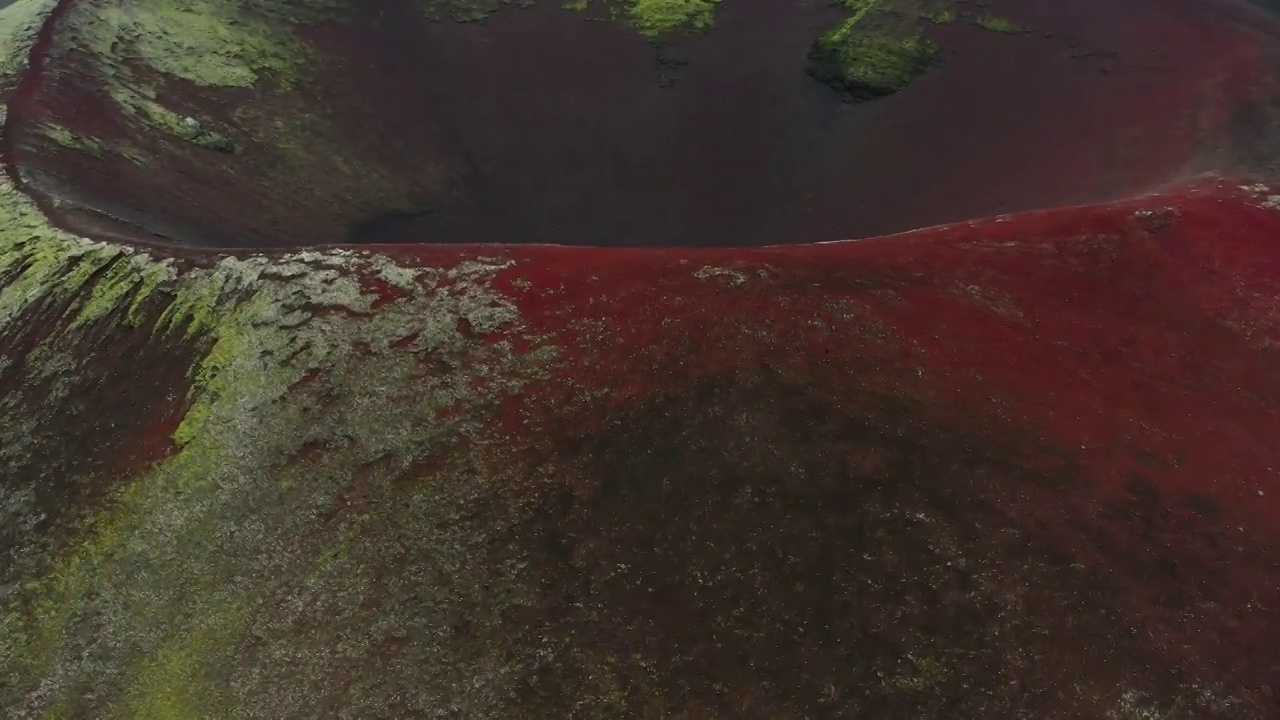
(19, 23)
(89, 145)
(183, 127)
(656, 18)
(882, 47)
(863, 65)
(67, 139)
(140, 49)
(210, 43)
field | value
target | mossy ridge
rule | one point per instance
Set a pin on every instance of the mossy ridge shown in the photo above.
(47, 277)
(19, 24)
(40, 264)
(169, 92)
(181, 543)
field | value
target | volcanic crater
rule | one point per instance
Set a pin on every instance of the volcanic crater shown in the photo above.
(284, 123)
(1004, 468)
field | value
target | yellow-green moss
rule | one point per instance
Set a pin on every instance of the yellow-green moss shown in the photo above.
(214, 43)
(72, 141)
(88, 144)
(881, 47)
(19, 24)
(140, 46)
(655, 18)
(156, 573)
(131, 276)
(868, 62)
(173, 683)
(183, 127)
(919, 674)
(38, 262)
(194, 307)
(192, 422)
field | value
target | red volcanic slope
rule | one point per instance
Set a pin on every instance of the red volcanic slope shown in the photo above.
(1102, 100)
(1120, 333)
(1123, 358)
(1127, 352)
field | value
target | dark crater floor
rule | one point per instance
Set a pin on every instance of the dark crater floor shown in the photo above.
(545, 125)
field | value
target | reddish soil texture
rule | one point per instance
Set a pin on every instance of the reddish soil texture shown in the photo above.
(461, 138)
(1142, 321)
(1033, 451)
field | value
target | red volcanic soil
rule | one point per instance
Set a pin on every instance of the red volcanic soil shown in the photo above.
(801, 440)
(452, 133)
(1081, 397)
